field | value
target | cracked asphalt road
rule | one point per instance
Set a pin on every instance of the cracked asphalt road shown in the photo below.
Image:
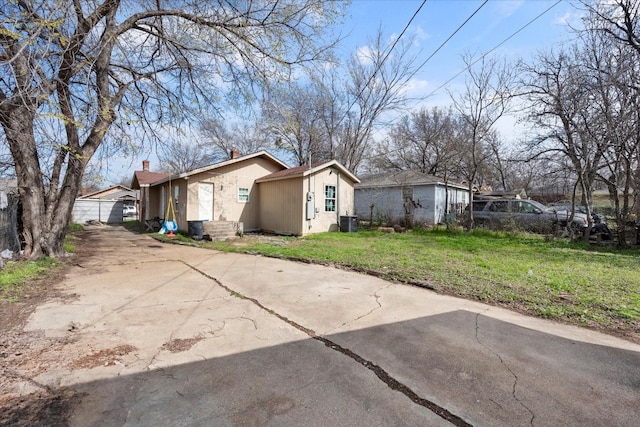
(156, 334)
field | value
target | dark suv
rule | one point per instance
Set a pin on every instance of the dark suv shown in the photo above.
(525, 215)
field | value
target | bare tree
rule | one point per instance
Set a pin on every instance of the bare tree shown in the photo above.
(292, 117)
(182, 155)
(219, 139)
(423, 141)
(376, 86)
(618, 19)
(333, 117)
(484, 100)
(614, 121)
(92, 70)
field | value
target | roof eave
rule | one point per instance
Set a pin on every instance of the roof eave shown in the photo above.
(220, 165)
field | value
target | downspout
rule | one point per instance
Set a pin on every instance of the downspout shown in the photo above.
(306, 199)
(338, 199)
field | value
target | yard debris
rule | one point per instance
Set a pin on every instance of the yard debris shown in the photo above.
(386, 229)
(6, 254)
(399, 229)
(106, 357)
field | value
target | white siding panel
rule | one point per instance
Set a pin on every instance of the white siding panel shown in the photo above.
(107, 211)
(388, 205)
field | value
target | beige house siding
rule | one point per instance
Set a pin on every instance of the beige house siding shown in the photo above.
(155, 210)
(282, 206)
(159, 199)
(326, 220)
(284, 203)
(225, 182)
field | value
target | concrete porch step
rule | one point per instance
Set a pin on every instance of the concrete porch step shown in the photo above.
(221, 230)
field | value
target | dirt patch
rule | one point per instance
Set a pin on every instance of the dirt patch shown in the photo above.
(24, 355)
(106, 357)
(181, 344)
(45, 408)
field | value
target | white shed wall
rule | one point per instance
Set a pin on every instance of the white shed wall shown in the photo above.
(388, 203)
(108, 211)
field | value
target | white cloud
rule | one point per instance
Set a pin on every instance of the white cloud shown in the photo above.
(508, 8)
(417, 87)
(365, 55)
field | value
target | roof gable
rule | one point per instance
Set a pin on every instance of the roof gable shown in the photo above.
(145, 178)
(115, 192)
(306, 170)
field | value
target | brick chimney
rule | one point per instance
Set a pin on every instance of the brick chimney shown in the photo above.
(145, 165)
(234, 154)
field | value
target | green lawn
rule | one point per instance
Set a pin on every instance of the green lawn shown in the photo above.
(587, 285)
(16, 274)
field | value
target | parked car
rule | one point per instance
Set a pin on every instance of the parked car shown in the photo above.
(525, 215)
(129, 210)
(597, 218)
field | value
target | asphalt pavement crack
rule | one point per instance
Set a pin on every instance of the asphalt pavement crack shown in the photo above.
(514, 386)
(380, 372)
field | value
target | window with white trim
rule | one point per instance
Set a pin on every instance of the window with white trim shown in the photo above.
(329, 198)
(243, 195)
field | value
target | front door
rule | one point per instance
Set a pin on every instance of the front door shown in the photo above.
(205, 201)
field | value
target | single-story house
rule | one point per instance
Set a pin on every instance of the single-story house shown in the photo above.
(141, 181)
(254, 192)
(104, 205)
(306, 199)
(409, 197)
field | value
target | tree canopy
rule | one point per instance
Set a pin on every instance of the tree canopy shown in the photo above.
(75, 75)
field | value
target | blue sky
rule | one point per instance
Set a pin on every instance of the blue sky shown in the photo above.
(496, 21)
(510, 29)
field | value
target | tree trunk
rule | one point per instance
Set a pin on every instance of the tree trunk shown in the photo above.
(44, 224)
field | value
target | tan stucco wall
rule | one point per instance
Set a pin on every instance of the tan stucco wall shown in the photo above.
(154, 203)
(226, 180)
(328, 221)
(159, 198)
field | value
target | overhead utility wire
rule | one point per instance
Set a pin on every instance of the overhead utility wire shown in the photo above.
(449, 38)
(496, 47)
(406, 27)
(487, 53)
(395, 42)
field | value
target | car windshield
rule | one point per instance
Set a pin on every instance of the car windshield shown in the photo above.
(539, 205)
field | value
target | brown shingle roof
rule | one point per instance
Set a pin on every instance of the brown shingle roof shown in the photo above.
(305, 170)
(141, 178)
(299, 170)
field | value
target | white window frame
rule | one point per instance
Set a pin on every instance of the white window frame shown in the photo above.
(242, 196)
(327, 199)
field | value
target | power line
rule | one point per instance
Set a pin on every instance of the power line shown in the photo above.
(481, 57)
(379, 66)
(449, 38)
(494, 48)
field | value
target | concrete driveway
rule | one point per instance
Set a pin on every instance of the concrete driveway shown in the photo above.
(156, 334)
